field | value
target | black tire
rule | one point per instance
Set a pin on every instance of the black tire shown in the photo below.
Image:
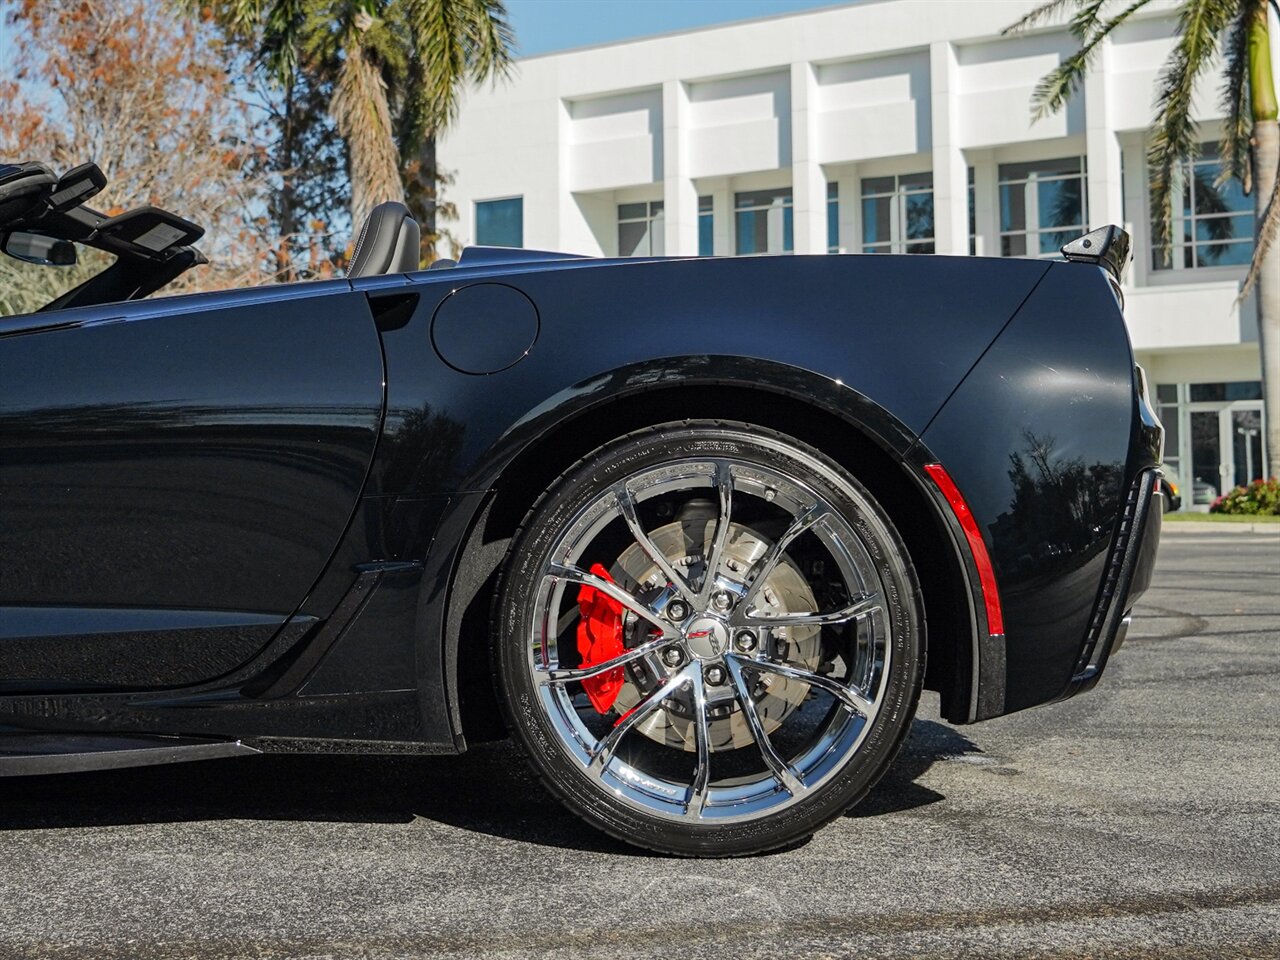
(746, 459)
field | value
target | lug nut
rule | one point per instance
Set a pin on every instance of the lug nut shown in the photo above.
(672, 656)
(745, 640)
(715, 675)
(677, 610)
(721, 600)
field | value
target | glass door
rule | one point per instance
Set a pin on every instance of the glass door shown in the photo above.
(1242, 425)
(1227, 446)
(1206, 460)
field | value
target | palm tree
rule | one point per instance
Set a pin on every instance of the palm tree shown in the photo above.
(396, 67)
(458, 41)
(361, 51)
(1238, 31)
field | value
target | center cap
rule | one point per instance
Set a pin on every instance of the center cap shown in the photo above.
(707, 637)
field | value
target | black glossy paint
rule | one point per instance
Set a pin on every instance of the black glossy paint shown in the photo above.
(189, 461)
(238, 454)
(127, 647)
(484, 328)
(35, 754)
(1042, 440)
(633, 326)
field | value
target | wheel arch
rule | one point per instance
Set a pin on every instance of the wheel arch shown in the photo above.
(852, 429)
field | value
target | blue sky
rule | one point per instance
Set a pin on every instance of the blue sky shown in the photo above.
(545, 25)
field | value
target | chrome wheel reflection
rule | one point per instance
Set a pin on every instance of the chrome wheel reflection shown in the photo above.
(756, 641)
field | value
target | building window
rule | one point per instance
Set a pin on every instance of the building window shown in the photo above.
(500, 223)
(833, 218)
(897, 214)
(640, 229)
(1231, 391)
(1043, 205)
(762, 222)
(1214, 227)
(706, 227)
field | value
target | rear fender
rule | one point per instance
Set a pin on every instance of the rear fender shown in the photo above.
(1043, 439)
(573, 422)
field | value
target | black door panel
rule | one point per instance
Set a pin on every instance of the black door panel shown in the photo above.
(207, 461)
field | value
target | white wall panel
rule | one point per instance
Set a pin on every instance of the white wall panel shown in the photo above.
(615, 141)
(1189, 315)
(996, 81)
(878, 107)
(740, 124)
(1139, 51)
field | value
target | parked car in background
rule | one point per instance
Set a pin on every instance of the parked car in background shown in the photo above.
(1203, 493)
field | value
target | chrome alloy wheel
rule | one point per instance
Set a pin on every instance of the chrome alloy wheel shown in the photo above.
(756, 638)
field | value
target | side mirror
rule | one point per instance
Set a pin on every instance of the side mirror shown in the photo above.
(38, 249)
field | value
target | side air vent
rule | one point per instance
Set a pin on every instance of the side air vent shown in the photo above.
(1106, 619)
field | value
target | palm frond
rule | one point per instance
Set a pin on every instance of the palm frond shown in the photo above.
(324, 32)
(455, 42)
(281, 43)
(1087, 18)
(1174, 141)
(1041, 14)
(1057, 86)
(384, 42)
(270, 27)
(496, 39)
(1266, 236)
(1237, 159)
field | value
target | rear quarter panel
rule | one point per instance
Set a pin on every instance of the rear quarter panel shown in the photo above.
(1041, 439)
(900, 331)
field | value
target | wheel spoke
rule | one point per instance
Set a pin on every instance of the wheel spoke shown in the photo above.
(849, 698)
(574, 574)
(698, 789)
(569, 674)
(630, 514)
(863, 605)
(606, 748)
(759, 573)
(761, 580)
(723, 481)
(777, 766)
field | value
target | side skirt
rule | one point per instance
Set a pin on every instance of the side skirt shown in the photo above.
(36, 754)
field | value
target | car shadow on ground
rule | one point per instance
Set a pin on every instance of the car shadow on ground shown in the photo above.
(899, 790)
(487, 790)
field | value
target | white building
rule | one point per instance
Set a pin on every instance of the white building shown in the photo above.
(881, 125)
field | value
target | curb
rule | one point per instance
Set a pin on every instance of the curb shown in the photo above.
(1191, 526)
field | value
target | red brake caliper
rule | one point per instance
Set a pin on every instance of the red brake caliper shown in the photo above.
(600, 640)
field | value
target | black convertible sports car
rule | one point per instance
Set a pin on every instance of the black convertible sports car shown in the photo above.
(695, 532)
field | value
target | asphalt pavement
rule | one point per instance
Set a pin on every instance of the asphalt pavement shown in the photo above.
(1140, 820)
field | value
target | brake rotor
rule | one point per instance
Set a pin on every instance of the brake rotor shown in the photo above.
(784, 591)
